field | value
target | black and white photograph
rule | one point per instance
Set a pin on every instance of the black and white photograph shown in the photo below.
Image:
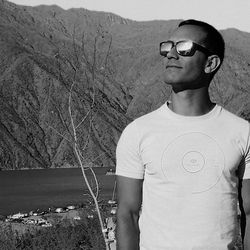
(124, 125)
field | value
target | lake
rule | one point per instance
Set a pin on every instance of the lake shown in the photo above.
(26, 190)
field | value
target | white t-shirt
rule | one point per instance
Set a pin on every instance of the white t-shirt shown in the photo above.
(190, 166)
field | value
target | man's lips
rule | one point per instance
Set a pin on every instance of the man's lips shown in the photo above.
(173, 66)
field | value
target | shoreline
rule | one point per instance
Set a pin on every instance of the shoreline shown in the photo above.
(104, 202)
(25, 221)
(63, 167)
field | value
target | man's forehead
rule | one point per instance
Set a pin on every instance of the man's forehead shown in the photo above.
(191, 32)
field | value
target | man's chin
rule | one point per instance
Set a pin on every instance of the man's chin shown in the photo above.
(172, 82)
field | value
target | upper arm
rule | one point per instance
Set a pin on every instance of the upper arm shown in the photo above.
(129, 171)
(129, 194)
(244, 175)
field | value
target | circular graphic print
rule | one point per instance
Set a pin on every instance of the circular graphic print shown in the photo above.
(193, 162)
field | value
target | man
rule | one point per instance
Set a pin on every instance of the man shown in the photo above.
(179, 167)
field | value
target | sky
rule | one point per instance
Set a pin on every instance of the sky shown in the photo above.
(221, 14)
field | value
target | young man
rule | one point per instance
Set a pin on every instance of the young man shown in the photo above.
(179, 167)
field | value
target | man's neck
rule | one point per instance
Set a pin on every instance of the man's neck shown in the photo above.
(191, 102)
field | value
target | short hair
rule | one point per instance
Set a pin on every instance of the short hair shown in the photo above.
(214, 40)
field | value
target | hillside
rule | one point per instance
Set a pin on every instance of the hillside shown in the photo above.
(114, 68)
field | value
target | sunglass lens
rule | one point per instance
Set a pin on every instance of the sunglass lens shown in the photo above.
(184, 48)
(165, 47)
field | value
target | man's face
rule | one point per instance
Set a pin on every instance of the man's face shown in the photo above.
(186, 72)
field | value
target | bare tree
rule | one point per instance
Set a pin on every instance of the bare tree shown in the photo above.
(82, 66)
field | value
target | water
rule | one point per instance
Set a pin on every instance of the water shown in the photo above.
(26, 190)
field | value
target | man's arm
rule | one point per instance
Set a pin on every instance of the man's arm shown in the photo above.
(245, 196)
(129, 192)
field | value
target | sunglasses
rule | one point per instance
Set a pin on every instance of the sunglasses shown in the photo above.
(183, 48)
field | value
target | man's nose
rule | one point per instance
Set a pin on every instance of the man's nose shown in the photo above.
(172, 53)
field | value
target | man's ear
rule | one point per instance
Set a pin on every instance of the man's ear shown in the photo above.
(213, 63)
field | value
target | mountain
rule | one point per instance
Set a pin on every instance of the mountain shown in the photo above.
(108, 64)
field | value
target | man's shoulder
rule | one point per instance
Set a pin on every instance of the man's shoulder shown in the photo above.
(233, 117)
(233, 121)
(148, 117)
(144, 122)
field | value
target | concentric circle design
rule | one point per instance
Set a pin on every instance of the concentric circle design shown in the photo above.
(193, 162)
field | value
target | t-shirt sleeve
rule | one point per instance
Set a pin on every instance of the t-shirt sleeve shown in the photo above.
(246, 160)
(128, 159)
